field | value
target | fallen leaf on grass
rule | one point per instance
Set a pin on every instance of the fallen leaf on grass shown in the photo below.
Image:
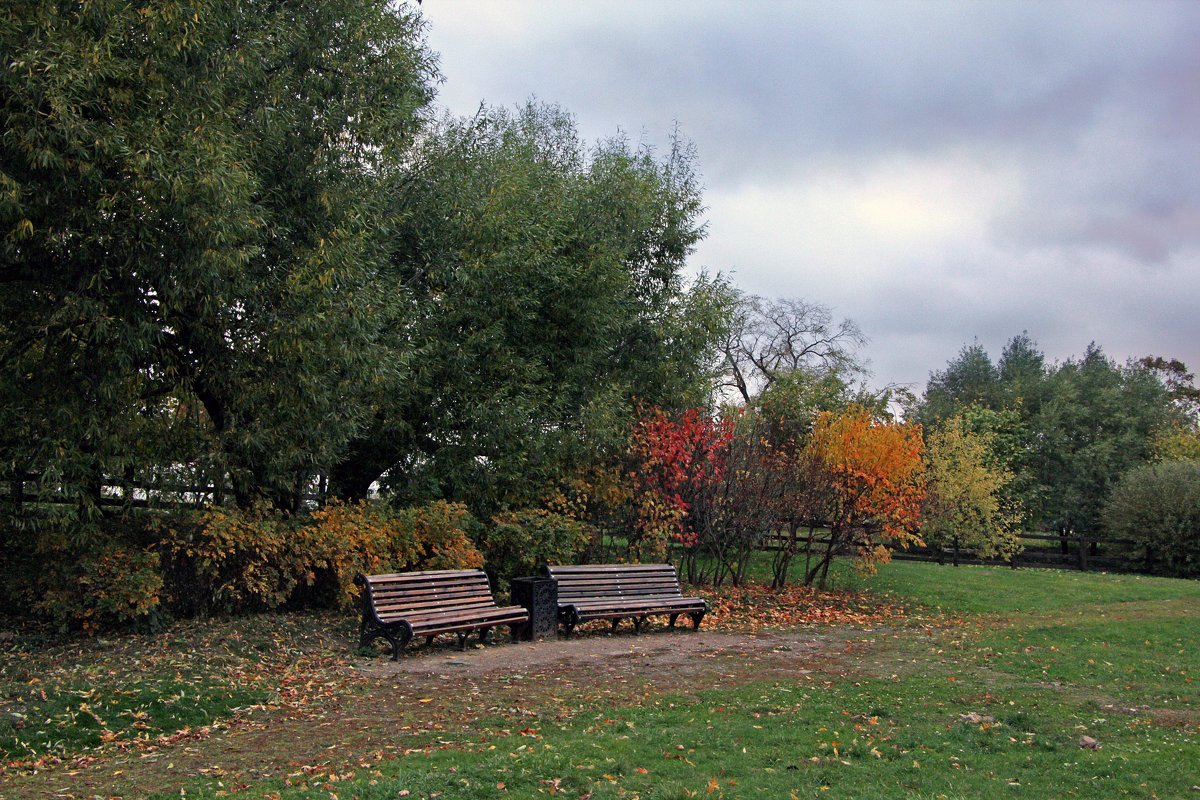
(757, 606)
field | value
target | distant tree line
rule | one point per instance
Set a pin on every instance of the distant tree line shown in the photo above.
(1083, 441)
(1067, 431)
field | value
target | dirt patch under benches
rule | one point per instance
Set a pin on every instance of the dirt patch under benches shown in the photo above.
(370, 709)
(678, 654)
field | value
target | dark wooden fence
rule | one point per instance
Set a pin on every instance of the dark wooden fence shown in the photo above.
(1052, 550)
(169, 492)
(1048, 550)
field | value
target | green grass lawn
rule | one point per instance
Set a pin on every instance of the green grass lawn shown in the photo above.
(986, 689)
(1042, 658)
(867, 738)
(60, 698)
(996, 590)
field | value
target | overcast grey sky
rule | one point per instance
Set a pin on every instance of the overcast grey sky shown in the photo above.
(940, 172)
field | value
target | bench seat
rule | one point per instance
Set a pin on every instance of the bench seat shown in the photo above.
(399, 606)
(621, 591)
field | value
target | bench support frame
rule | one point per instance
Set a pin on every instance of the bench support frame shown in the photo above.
(430, 603)
(616, 592)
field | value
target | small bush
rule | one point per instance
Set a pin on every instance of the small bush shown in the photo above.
(105, 586)
(436, 536)
(517, 543)
(233, 561)
(78, 574)
(336, 543)
(343, 540)
(1158, 506)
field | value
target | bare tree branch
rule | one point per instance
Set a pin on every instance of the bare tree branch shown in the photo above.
(770, 338)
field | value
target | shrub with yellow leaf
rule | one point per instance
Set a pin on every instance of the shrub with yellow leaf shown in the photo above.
(236, 561)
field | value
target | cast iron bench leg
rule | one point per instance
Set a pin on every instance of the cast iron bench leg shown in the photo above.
(398, 643)
(569, 618)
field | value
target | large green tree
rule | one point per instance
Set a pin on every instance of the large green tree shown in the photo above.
(1098, 420)
(1021, 371)
(191, 224)
(547, 296)
(969, 379)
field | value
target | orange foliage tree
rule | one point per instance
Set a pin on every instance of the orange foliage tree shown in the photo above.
(875, 482)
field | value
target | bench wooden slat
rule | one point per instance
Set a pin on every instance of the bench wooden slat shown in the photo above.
(452, 626)
(607, 602)
(433, 610)
(614, 579)
(570, 569)
(445, 623)
(429, 591)
(619, 591)
(400, 605)
(676, 603)
(427, 596)
(425, 590)
(437, 575)
(426, 586)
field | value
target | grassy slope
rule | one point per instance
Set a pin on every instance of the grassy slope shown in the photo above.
(60, 698)
(995, 590)
(1047, 656)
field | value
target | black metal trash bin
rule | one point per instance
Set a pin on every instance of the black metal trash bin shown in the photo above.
(539, 596)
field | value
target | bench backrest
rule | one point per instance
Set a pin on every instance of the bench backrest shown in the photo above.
(614, 580)
(415, 593)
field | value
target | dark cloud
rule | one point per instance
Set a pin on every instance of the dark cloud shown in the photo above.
(1059, 140)
(757, 81)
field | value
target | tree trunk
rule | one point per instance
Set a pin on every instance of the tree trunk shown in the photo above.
(822, 567)
(782, 562)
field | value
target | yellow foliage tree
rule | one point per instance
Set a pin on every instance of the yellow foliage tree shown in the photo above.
(232, 560)
(1176, 443)
(965, 506)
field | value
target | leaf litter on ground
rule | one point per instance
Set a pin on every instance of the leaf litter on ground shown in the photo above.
(245, 675)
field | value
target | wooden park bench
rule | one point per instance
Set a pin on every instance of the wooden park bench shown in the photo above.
(620, 591)
(401, 606)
